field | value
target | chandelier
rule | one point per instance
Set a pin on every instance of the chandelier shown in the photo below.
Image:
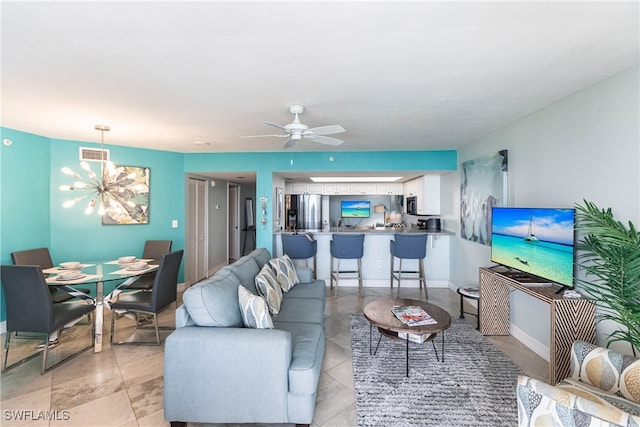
(107, 191)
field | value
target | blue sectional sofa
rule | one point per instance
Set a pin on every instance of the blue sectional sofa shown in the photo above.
(217, 371)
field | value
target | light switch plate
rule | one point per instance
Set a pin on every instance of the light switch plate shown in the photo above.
(174, 223)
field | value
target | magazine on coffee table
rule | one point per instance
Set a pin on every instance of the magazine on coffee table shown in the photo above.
(413, 315)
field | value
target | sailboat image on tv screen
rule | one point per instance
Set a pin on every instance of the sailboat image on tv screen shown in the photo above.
(530, 237)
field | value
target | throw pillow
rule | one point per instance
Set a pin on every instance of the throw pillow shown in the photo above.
(285, 272)
(253, 308)
(269, 288)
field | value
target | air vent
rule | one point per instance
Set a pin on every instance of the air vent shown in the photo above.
(93, 154)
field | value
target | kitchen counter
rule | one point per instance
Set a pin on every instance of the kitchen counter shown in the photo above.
(377, 230)
(376, 261)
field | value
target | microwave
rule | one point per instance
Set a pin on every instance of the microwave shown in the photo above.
(412, 205)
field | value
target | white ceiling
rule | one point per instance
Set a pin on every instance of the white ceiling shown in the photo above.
(395, 75)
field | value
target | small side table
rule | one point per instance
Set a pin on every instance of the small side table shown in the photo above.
(471, 293)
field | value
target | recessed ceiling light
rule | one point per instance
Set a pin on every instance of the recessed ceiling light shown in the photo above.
(355, 178)
(201, 143)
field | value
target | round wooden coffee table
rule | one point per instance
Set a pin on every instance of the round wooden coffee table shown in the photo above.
(379, 315)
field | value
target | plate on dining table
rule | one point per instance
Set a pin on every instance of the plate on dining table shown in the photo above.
(69, 278)
(138, 267)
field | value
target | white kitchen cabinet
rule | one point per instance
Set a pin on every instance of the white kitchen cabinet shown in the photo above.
(314, 188)
(363, 188)
(390, 188)
(336, 188)
(427, 190)
(304, 188)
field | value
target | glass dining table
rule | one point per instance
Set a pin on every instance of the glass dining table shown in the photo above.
(97, 274)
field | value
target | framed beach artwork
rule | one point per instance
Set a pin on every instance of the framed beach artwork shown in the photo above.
(130, 203)
(483, 185)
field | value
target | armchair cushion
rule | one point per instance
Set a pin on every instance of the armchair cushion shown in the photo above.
(543, 404)
(606, 369)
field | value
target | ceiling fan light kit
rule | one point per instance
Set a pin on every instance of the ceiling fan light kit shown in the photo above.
(296, 130)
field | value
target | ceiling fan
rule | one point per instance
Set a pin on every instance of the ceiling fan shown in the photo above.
(296, 130)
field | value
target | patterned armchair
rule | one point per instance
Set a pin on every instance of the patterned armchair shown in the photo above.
(603, 390)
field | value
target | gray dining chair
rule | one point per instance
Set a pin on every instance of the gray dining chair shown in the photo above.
(153, 249)
(30, 309)
(163, 293)
(42, 257)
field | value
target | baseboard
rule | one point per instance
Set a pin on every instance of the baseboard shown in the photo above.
(3, 327)
(384, 283)
(526, 339)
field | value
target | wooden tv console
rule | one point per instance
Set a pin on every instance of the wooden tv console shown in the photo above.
(571, 318)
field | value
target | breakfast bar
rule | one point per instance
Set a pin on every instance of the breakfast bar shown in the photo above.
(376, 260)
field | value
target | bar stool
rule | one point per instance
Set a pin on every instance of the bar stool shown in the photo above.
(471, 293)
(300, 246)
(346, 246)
(408, 246)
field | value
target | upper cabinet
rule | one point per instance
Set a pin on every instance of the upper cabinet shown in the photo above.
(335, 188)
(304, 188)
(346, 188)
(363, 188)
(391, 188)
(426, 189)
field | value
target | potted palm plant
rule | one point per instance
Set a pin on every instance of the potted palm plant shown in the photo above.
(609, 253)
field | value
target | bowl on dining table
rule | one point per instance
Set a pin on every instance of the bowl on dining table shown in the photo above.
(126, 259)
(69, 275)
(140, 265)
(70, 265)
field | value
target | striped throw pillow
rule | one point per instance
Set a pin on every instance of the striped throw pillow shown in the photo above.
(253, 308)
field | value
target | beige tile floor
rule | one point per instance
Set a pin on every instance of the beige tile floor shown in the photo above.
(122, 385)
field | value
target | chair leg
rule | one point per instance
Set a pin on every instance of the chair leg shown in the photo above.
(331, 272)
(7, 338)
(360, 273)
(335, 291)
(391, 272)
(45, 352)
(423, 279)
(400, 274)
(155, 321)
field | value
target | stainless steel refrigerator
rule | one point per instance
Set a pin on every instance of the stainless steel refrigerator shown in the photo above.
(304, 211)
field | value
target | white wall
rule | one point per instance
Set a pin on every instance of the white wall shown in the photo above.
(586, 146)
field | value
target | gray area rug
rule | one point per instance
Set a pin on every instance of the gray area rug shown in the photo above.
(474, 386)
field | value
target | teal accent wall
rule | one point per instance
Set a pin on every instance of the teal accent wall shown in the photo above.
(266, 164)
(24, 188)
(32, 214)
(75, 235)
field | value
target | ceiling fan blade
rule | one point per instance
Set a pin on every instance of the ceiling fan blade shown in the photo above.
(325, 130)
(290, 143)
(279, 135)
(325, 139)
(275, 125)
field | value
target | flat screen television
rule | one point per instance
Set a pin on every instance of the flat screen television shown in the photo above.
(536, 241)
(355, 209)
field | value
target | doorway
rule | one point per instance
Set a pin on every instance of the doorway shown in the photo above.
(234, 222)
(196, 248)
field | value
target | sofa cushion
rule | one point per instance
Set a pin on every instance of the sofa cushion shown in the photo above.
(214, 301)
(261, 256)
(307, 341)
(285, 272)
(269, 288)
(308, 310)
(253, 308)
(245, 269)
(316, 289)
